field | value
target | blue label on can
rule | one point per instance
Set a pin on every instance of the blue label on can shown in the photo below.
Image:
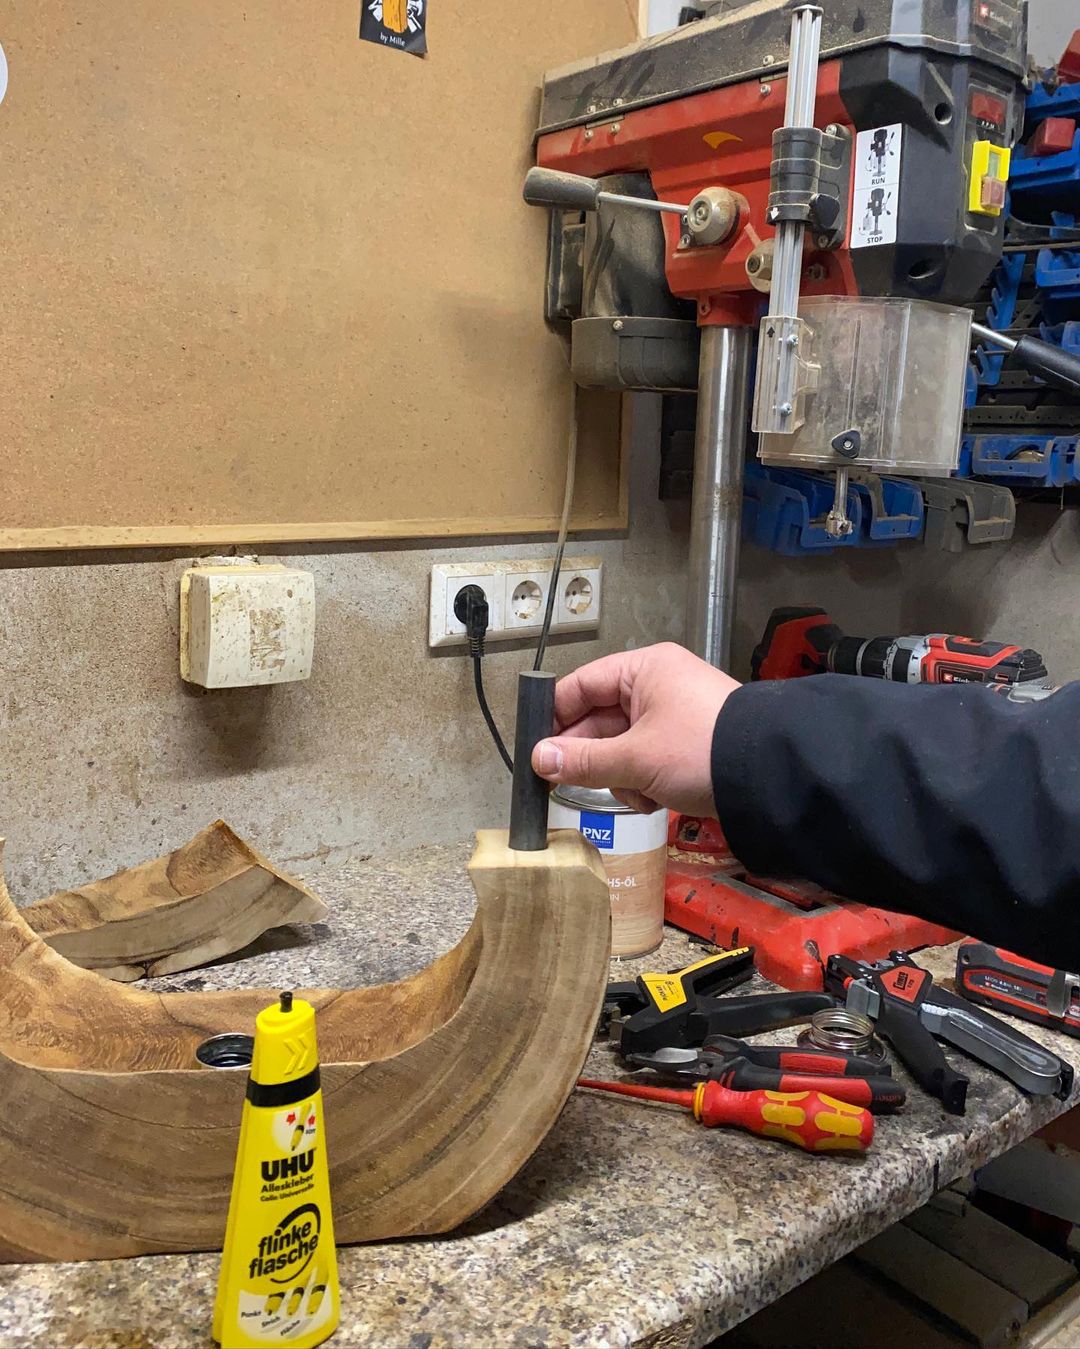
(598, 829)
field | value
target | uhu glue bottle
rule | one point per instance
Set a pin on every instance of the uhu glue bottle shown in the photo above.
(278, 1282)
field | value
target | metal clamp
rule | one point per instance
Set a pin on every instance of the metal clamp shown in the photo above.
(808, 180)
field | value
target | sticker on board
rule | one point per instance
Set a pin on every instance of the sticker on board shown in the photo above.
(395, 23)
(3, 74)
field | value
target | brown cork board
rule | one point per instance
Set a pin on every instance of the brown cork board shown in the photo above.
(260, 280)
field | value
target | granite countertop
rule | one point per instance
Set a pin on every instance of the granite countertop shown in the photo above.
(629, 1225)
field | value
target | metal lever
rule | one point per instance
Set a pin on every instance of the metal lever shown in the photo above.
(572, 192)
(1050, 363)
(838, 524)
(1022, 1060)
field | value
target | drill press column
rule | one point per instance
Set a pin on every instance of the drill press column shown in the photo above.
(716, 513)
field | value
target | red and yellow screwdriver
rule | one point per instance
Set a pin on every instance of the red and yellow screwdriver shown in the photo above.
(809, 1119)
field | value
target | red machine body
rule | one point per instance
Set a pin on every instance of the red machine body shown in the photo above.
(725, 136)
(794, 925)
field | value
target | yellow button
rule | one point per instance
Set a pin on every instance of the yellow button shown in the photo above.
(989, 174)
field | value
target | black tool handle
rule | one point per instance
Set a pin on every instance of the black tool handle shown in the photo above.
(529, 793)
(758, 1012)
(800, 1058)
(566, 191)
(923, 1056)
(1050, 363)
(880, 1095)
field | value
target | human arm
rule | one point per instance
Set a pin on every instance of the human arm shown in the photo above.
(947, 802)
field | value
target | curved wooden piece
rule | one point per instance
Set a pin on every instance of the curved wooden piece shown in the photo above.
(114, 1142)
(208, 899)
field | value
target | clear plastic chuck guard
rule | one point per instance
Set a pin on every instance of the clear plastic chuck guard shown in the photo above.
(890, 371)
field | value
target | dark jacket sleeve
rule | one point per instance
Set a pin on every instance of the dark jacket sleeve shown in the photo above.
(949, 803)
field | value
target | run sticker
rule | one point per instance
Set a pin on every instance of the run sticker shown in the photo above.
(877, 186)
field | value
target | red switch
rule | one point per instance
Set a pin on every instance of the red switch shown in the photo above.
(992, 193)
(1053, 136)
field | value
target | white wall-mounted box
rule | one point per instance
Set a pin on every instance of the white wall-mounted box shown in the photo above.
(247, 623)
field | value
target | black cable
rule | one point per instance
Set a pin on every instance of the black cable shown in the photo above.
(481, 698)
(471, 608)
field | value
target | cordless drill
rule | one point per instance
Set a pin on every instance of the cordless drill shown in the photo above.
(804, 641)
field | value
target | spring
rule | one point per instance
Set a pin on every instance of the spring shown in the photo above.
(844, 1032)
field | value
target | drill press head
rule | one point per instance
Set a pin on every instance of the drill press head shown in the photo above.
(915, 108)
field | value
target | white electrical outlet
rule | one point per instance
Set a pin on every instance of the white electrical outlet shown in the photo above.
(445, 628)
(526, 591)
(577, 604)
(517, 593)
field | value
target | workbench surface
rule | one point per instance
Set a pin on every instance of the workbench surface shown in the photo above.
(629, 1224)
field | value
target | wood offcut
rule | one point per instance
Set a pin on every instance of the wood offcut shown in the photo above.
(114, 1141)
(208, 899)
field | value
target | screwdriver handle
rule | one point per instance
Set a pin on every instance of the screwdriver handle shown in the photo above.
(809, 1119)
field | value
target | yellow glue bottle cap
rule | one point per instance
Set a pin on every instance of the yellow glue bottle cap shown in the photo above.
(285, 1047)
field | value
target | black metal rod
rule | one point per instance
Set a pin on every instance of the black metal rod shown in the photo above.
(529, 794)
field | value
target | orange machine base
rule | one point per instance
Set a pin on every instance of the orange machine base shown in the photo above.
(794, 925)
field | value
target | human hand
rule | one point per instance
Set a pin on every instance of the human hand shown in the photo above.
(641, 724)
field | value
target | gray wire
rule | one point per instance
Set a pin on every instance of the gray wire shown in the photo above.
(564, 527)
(1036, 247)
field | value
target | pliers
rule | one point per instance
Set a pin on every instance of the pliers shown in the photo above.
(913, 1013)
(744, 1067)
(682, 1008)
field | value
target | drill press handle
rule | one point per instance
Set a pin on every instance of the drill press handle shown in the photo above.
(1052, 364)
(563, 191)
(574, 192)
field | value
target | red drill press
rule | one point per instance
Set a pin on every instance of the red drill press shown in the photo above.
(850, 169)
(767, 151)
